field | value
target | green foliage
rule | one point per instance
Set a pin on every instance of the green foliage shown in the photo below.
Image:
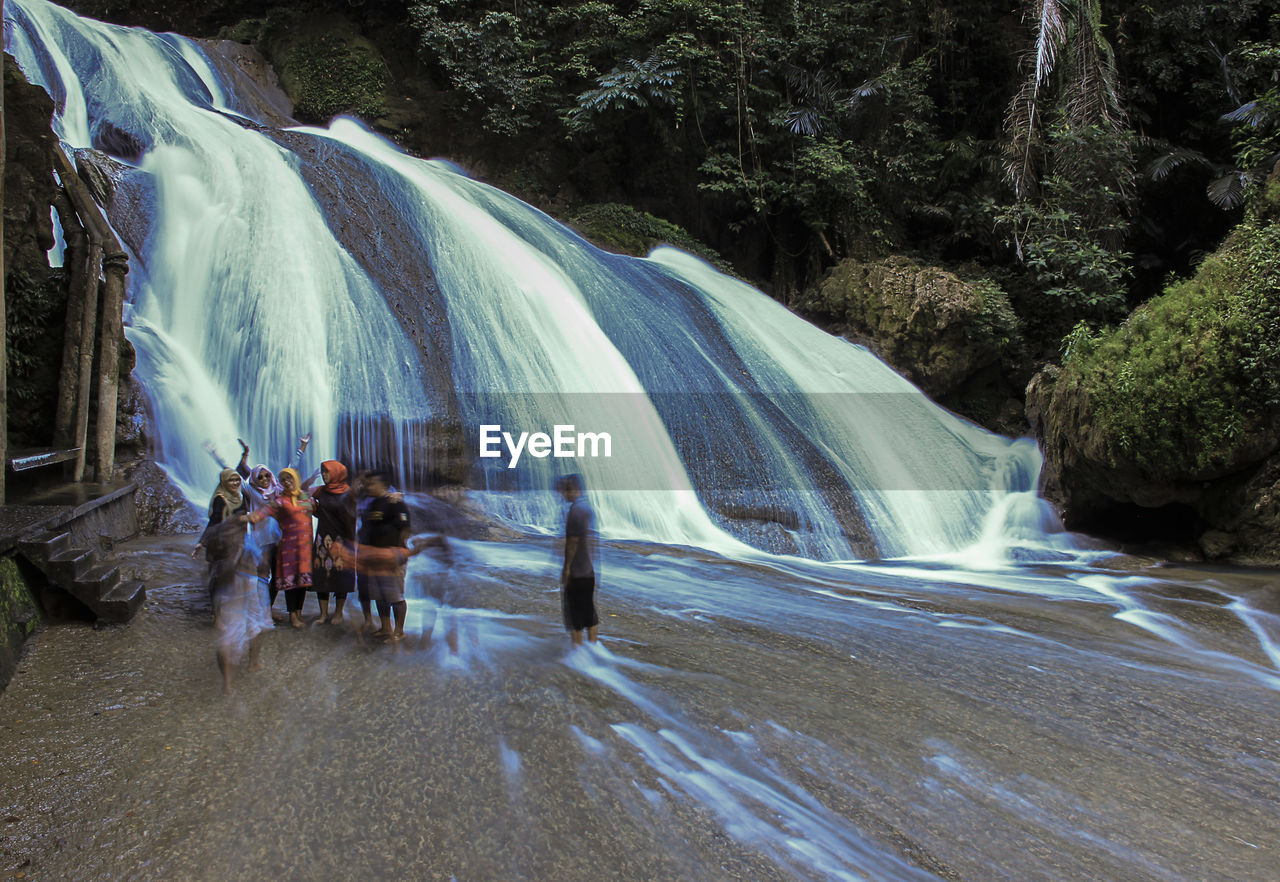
(490, 56)
(1069, 237)
(716, 90)
(1185, 384)
(640, 83)
(993, 321)
(630, 231)
(327, 76)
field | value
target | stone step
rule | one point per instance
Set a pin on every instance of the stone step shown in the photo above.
(45, 545)
(79, 572)
(122, 602)
(70, 565)
(97, 581)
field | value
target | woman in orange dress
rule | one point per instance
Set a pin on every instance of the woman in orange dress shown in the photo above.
(292, 511)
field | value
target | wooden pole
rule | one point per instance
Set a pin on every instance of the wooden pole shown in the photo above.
(76, 261)
(106, 254)
(114, 267)
(88, 322)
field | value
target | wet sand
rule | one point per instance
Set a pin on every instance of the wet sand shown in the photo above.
(738, 723)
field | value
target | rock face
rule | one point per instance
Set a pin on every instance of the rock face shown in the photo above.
(28, 171)
(1169, 426)
(161, 508)
(946, 334)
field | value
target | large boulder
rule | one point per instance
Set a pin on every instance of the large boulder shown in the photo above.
(946, 333)
(1174, 417)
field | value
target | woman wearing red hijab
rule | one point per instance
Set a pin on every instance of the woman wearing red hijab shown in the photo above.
(335, 510)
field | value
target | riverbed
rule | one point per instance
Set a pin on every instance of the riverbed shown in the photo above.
(772, 719)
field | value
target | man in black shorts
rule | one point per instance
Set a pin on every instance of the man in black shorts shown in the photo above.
(384, 529)
(578, 578)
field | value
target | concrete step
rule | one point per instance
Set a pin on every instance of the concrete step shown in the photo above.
(122, 602)
(78, 572)
(70, 565)
(43, 546)
(97, 581)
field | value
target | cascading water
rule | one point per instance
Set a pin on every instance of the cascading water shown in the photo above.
(254, 317)
(249, 320)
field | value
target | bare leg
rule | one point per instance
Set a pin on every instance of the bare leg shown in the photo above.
(401, 610)
(576, 634)
(224, 666)
(384, 617)
(591, 633)
(255, 663)
(339, 604)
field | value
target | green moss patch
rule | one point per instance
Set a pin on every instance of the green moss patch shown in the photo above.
(19, 616)
(326, 77)
(1189, 385)
(628, 230)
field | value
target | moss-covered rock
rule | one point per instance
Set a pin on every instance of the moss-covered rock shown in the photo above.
(931, 325)
(1179, 405)
(325, 65)
(19, 616)
(628, 230)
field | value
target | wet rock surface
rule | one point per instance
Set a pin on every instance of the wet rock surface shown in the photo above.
(162, 509)
(739, 723)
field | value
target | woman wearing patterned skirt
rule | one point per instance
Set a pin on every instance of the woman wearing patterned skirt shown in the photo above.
(335, 508)
(292, 511)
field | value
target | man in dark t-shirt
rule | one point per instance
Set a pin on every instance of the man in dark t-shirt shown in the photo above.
(382, 538)
(578, 577)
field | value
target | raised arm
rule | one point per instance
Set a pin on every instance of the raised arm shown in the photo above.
(296, 462)
(242, 467)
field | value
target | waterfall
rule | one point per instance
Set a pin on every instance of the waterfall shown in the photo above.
(248, 318)
(307, 279)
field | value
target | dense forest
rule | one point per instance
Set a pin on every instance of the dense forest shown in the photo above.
(1081, 151)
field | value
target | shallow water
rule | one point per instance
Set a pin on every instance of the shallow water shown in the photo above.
(739, 721)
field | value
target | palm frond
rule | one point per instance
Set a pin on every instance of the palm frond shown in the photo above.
(1164, 165)
(632, 83)
(1251, 114)
(1093, 97)
(1023, 115)
(1228, 191)
(805, 121)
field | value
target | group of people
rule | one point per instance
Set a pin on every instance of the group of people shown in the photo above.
(259, 543)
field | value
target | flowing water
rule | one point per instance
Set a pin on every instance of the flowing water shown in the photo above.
(738, 721)
(844, 639)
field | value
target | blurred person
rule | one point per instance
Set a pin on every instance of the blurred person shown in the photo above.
(381, 554)
(240, 612)
(578, 575)
(442, 590)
